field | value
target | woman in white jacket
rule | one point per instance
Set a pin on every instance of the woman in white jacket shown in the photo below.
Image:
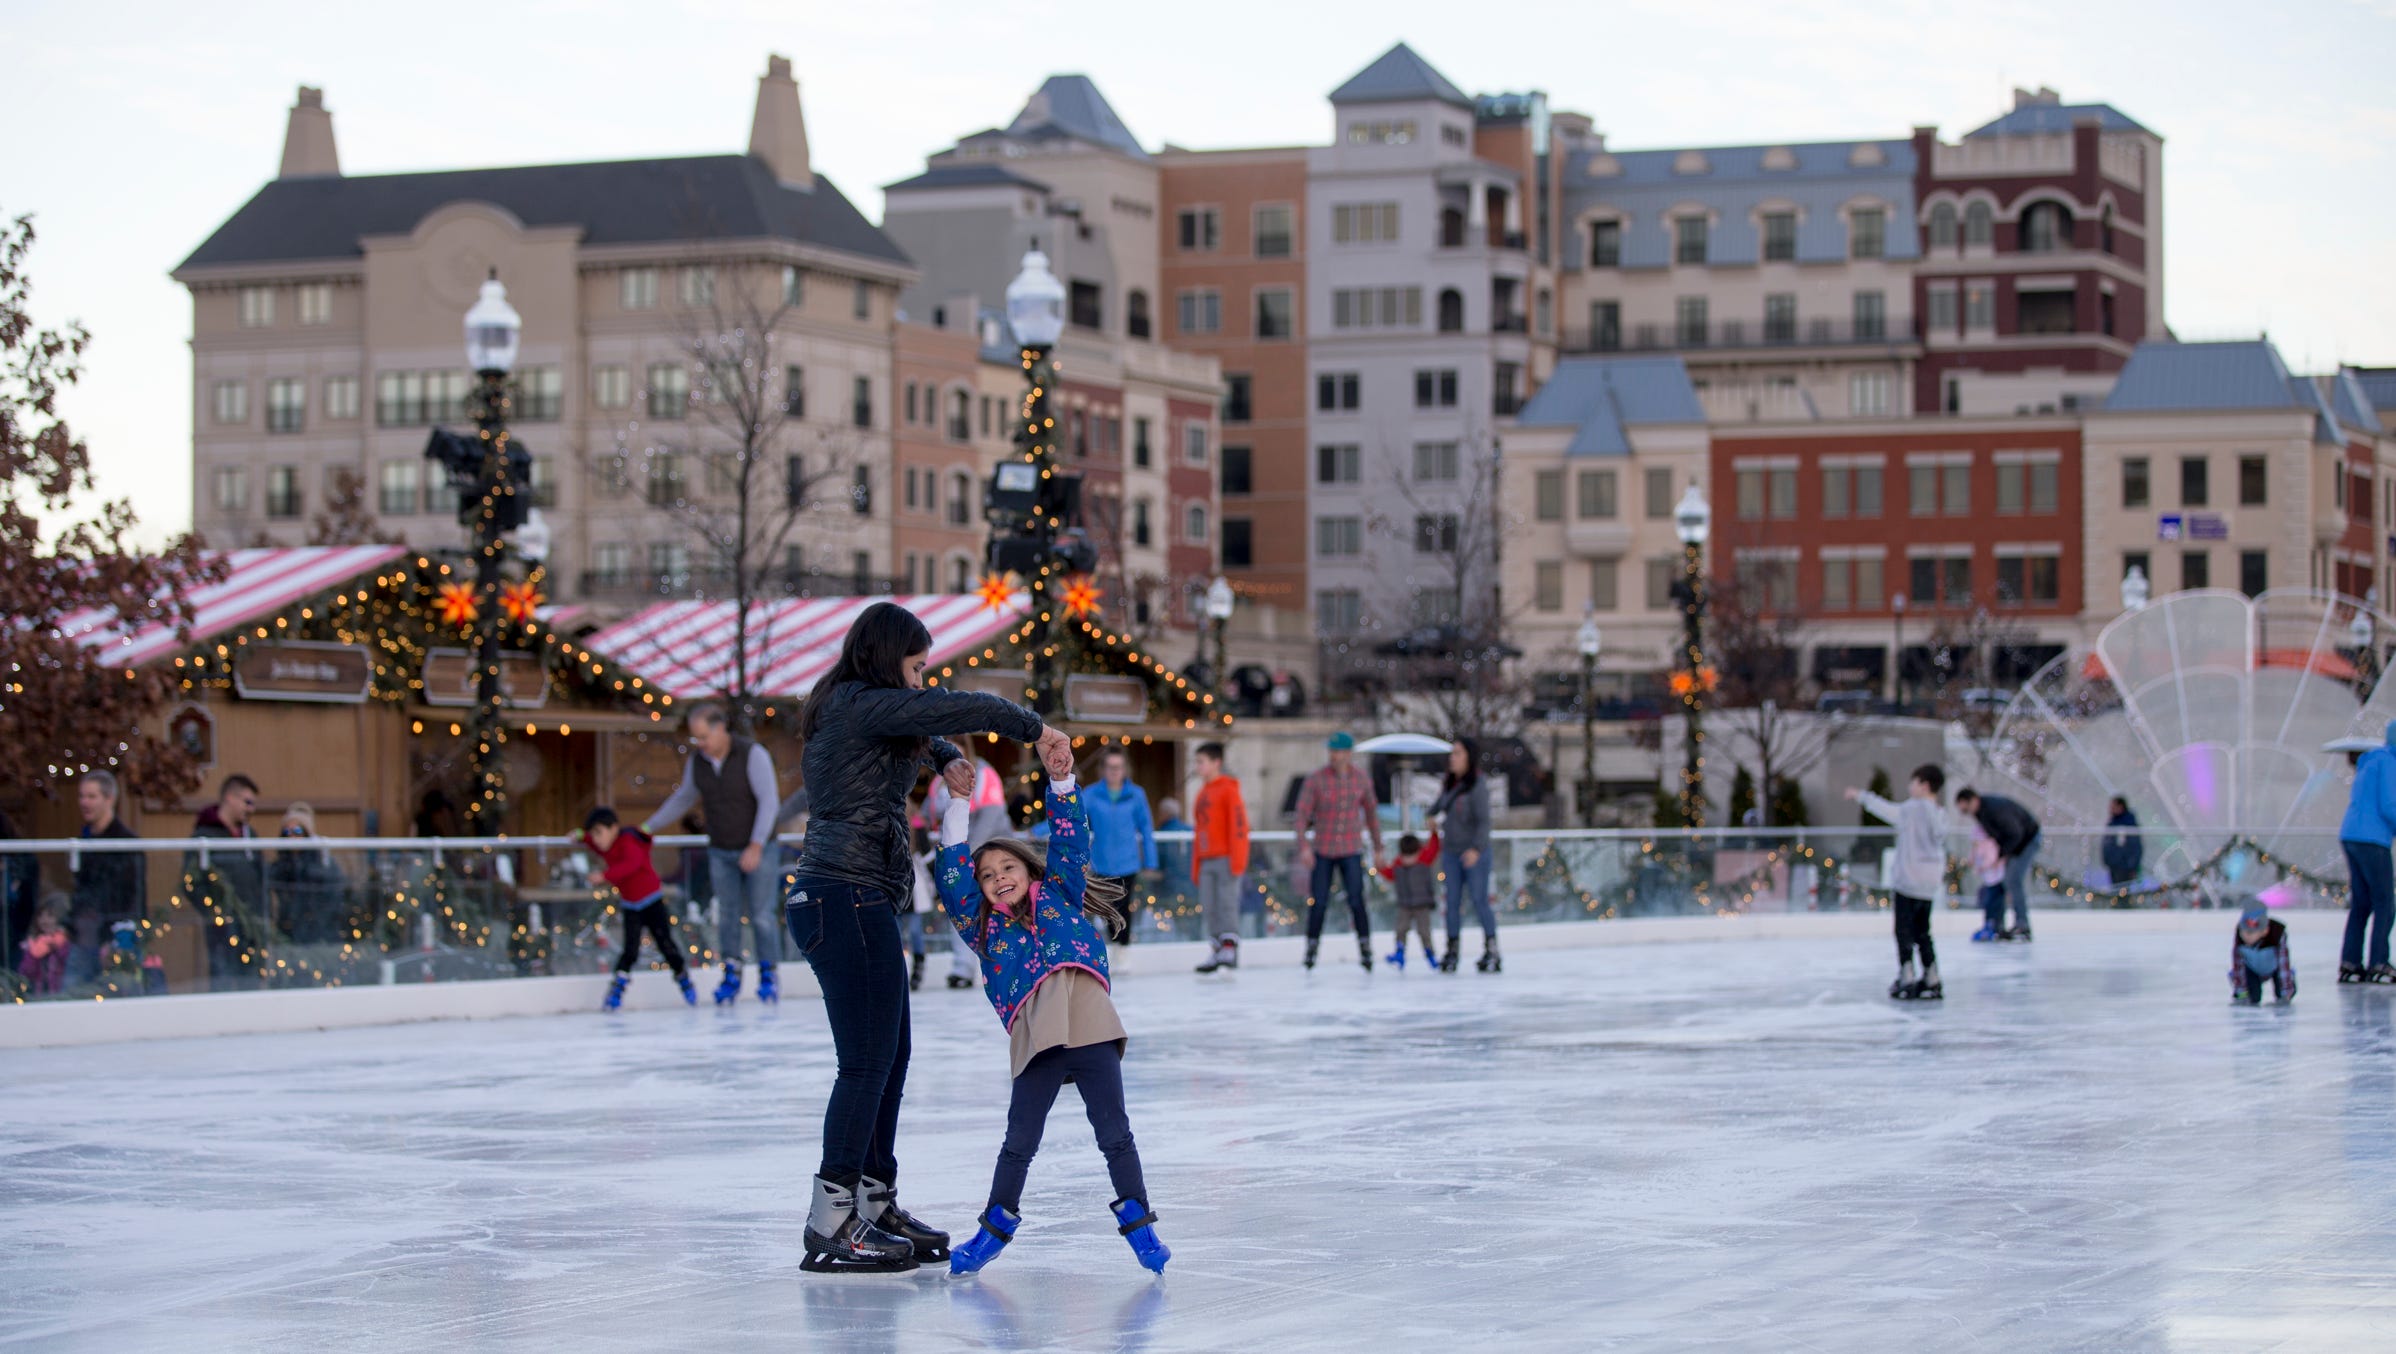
(1919, 878)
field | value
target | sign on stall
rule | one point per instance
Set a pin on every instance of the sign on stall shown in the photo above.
(1097, 699)
(449, 679)
(304, 670)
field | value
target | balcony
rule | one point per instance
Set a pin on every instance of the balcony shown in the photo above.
(1510, 324)
(1741, 336)
(642, 585)
(1598, 537)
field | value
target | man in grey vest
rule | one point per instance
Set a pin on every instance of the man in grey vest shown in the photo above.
(731, 781)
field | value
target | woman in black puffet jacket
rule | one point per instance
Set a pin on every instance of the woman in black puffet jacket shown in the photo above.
(870, 728)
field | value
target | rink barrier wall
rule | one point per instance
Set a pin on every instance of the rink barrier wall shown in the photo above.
(59, 1024)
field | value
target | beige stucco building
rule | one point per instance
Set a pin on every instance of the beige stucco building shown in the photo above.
(326, 342)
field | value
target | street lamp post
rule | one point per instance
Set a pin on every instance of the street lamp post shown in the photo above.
(1036, 312)
(1897, 652)
(493, 330)
(1591, 640)
(1691, 521)
(1219, 601)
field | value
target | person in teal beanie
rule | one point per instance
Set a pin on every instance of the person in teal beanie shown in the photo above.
(1122, 831)
(1038, 925)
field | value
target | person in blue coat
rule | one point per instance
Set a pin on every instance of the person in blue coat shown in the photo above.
(1122, 830)
(2371, 879)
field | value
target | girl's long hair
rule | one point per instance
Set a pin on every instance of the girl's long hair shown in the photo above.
(1472, 767)
(884, 636)
(1099, 896)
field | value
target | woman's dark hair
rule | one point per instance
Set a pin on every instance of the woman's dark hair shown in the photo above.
(1100, 896)
(878, 645)
(1472, 767)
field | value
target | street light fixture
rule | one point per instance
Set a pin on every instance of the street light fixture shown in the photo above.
(1027, 498)
(1036, 302)
(1591, 640)
(1219, 601)
(493, 333)
(1692, 521)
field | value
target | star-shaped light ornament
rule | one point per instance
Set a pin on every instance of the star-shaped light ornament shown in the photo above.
(521, 601)
(456, 604)
(994, 592)
(1081, 595)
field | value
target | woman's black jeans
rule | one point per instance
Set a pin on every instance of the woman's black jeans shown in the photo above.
(848, 934)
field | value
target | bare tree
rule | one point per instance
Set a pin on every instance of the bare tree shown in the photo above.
(346, 519)
(739, 467)
(1753, 625)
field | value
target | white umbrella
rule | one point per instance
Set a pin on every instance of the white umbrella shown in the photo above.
(1418, 743)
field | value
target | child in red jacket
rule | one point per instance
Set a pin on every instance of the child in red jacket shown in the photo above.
(1415, 874)
(624, 862)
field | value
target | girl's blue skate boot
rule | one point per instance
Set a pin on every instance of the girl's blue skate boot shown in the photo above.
(690, 994)
(615, 992)
(998, 1228)
(1138, 1228)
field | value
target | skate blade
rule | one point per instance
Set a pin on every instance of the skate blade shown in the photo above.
(818, 1263)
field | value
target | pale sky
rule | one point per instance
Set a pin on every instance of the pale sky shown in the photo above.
(141, 125)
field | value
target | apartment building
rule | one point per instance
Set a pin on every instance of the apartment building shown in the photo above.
(953, 427)
(2042, 257)
(326, 340)
(1780, 274)
(1138, 419)
(2211, 465)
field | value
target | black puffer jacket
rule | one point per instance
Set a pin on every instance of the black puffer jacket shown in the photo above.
(870, 744)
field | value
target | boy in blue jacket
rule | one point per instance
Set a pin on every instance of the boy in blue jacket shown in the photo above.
(1122, 832)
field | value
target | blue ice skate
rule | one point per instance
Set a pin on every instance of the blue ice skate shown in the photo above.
(998, 1228)
(690, 994)
(1397, 958)
(1987, 933)
(615, 993)
(769, 991)
(1138, 1228)
(728, 991)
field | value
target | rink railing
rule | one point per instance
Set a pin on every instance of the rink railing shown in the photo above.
(235, 914)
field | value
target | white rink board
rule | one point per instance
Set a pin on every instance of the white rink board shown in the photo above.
(1725, 1145)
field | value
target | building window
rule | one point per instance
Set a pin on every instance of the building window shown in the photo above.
(1193, 444)
(2046, 228)
(2032, 580)
(636, 288)
(286, 404)
(540, 394)
(1436, 461)
(1868, 393)
(1336, 391)
(1605, 326)
(1339, 610)
(911, 497)
(960, 500)
(908, 402)
(861, 491)
(1688, 239)
(794, 285)
(1689, 321)
(1201, 228)
(794, 392)
(1941, 581)
(2254, 571)
(1659, 494)
(315, 303)
(1140, 454)
(667, 485)
(1435, 389)
(1780, 238)
(1867, 233)
(1605, 244)
(1547, 495)
(1276, 313)
(1548, 585)
(1274, 236)
(2195, 491)
(1142, 531)
(1769, 578)
(861, 401)
(257, 307)
(2254, 474)
(1193, 524)
(1979, 225)
(2043, 312)
(1377, 307)
(2196, 569)
(698, 286)
(1980, 306)
(1851, 583)
(1934, 489)
(397, 494)
(341, 397)
(1662, 572)
(2139, 560)
(2134, 489)
(1871, 315)
(1605, 589)
(233, 488)
(1364, 223)
(1239, 470)
(1239, 542)
(1201, 310)
(1435, 533)
(1597, 498)
(1381, 133)
(1338, 463)
(1780, 318)
(1942, 226)
(1435, 606)
(960, 416)
(283, 492)
(2046, 482)
(1338, 537)
(1938, 314)
(669, 390)
(231, 400)
(611, 387)
(2009, 487)
(861, 304)
(794, 481)
(1085, 305)
(985, 402)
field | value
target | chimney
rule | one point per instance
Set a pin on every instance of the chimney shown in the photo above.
(308, 139)
(778, 134)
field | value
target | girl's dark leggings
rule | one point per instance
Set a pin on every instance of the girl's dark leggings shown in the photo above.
(1098, 1070)
(653, 920)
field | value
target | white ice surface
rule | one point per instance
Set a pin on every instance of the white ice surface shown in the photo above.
(1735, 1145)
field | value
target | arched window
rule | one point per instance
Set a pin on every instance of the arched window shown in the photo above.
(1135, 314)
(1543, 310)
(960, 500)
(1193, 527)
(1979, 224)
(1942, 226)
(1451, 311)
(960, 416)
(1143, 534)
(2046, 227)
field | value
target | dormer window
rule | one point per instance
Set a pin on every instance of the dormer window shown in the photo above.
(1382, 133)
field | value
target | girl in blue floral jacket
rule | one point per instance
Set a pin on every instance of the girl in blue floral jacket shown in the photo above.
(1040, 927)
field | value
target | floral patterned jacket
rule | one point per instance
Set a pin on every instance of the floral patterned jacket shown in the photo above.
(1017, 958)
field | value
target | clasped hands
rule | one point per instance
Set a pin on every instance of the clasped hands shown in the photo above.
(1055, 748)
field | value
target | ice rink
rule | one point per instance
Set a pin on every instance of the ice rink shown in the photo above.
(1723, 1145)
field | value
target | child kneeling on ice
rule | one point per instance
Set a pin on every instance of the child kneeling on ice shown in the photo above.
(2259, 953)
(1918, 877)
(1044, 967)
(624, 862)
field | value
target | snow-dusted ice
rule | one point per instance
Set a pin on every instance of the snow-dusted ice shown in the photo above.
(1732, 1145)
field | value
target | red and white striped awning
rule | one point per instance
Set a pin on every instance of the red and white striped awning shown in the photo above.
(684, 649)
(257, 583)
